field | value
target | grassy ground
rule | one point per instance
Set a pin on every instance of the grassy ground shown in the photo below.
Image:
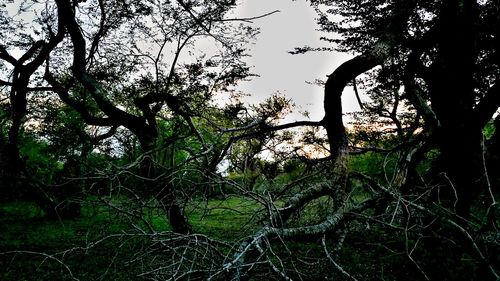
(32, 248)
(103, 244)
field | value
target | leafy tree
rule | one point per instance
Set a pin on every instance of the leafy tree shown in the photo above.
(439, 57)
(133, 85)
(34, 41)
(430, 69)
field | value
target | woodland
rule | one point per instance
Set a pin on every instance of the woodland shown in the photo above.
(119, 162)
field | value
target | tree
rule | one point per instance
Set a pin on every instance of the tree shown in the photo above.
(444, 57)
(431, 69)
(34, 45)
(132, 86)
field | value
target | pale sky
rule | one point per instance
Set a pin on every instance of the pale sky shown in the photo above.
(294, 26)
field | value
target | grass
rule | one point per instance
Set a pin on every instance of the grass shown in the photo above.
(32, 248)
(224, 219)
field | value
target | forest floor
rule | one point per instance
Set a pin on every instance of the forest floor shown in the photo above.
(33, 248)
(104, 243)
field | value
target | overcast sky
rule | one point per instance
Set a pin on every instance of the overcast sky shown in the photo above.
(294, 26)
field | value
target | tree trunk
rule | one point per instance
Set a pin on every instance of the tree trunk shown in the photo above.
(174, 210)
(452, 97)
(164, 190)
(15, 168)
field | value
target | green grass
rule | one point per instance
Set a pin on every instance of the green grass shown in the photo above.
(226, 219)
(33, 248)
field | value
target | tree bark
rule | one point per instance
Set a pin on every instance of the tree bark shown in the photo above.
(452, 96)
(163, 189)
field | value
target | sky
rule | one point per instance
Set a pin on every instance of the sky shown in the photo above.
(279, 71)
(294, 26)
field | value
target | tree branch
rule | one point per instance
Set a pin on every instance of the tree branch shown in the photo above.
(334, 88)
(6, 56)
(484, 110)
(132, 122)
(264, 128)
(79, 107)
(413, 93)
